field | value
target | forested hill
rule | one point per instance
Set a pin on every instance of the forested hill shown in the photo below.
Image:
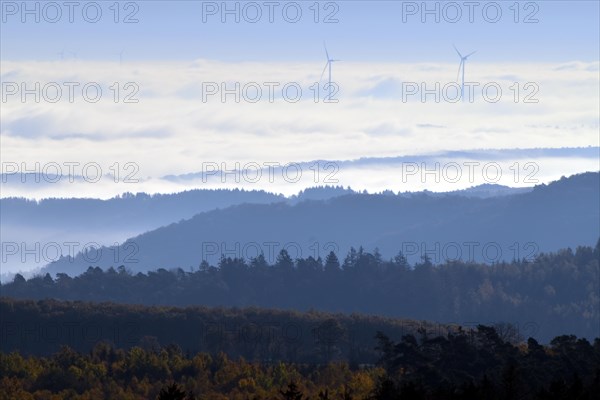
(563, 213)
(550, 295)
(267, 335)
(482, 363)
(126, 213)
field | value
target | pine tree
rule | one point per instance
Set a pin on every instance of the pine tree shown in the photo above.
(332, 264)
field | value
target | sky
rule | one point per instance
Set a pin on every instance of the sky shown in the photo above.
(146, 96)
(362, 31)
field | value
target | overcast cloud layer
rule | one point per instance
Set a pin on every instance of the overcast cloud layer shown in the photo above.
(177, 127)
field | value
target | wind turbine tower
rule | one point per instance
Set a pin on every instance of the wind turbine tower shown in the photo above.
(328, 66)
(463, 61)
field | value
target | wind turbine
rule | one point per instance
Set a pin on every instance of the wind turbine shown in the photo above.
(121, 57)
(328, 65)
(463, 61)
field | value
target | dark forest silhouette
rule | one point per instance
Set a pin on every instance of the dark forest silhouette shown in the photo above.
(553, 294)
(463, 364)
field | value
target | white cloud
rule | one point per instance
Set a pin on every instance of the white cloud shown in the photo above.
(171, 131)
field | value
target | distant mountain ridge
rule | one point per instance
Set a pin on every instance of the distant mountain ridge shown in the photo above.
(589, 152)
(490, 190)
(140, 208)
(547, 218)
(161, 209)
(29, 223)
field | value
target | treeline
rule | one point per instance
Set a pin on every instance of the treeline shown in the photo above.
(481, 365)
(548, 296)
(42, 327)
(473, 364)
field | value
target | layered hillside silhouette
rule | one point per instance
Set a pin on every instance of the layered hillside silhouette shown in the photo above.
(102, 220)
(545, 297)
(454, 227)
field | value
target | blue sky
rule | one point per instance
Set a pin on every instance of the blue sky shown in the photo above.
(366, 31)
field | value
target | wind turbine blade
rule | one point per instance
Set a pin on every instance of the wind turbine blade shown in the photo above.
(457, 52)
(326, 52)
(459, 67)
(470, 54)
(324, 69)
